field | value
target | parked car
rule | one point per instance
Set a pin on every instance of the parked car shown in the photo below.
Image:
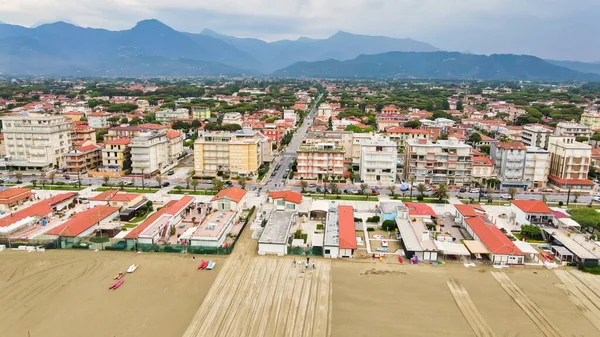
(354, 191)
(67, 177)
(312, 185)
(165, 184)
(597, 198)
(462, 190)
(128, 183)
(505, 196)
(228, 183)
(171, 172)
(474, 190)
(374, 191)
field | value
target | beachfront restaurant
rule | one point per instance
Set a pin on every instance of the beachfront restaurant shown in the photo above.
(584, 251)
(275, 236)
(415, 238)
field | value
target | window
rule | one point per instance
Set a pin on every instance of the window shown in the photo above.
(290, 206)
(280, 202)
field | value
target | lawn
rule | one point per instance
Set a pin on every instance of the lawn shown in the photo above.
(130, 190)
(426, 200)
(130, 225)
(343, 197)
(192, 192)
(57, 187)
(520, 237)
(500, 202)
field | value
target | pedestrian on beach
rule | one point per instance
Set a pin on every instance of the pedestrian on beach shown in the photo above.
(193, 258)
(313, 266)
(307, 259)
(294, 264)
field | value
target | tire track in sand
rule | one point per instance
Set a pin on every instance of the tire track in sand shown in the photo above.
(469, 310)
(581, 296)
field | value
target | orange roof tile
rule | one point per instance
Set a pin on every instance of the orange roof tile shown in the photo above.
(173, 134)
(14, 194)
(40, 209)
(495, 241)
(119, 141)
(532, 206)
(234, 193)
(571, 181)
(81, 222)
(511, 146)
(114, 195)
(469, 210)
(287, 195)
(417, 208)
(347, 233)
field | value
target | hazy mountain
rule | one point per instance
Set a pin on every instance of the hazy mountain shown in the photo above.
(49, 48)
(441, 65)
(586, 67)
(340, 46)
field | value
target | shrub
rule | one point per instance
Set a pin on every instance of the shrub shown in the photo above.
(370, 229)
(357, 220)
(373, 219)
(389, 225)
(59, 183)
(560, 203)
(532, 232)
(320, 226)
(298, 234)
(420, 197)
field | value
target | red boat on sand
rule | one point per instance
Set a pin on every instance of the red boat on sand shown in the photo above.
(203, 265)
(116, 284)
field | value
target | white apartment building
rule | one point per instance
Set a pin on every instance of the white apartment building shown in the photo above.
(99, 120)
(537, 166)
(166, 115)
(378, 160)
(536, 135)
(591, 120)
(325, 110)
(232, 118)
(290, 114)
(35, 142)
(572, 129)
(569, 164)
(509, 164)
(320, 160)
(149, 153)
(447, 162)
(339, 138)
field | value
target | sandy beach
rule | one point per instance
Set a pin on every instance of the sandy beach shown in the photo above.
(62, 293)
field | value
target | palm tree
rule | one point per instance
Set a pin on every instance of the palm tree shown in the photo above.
(34, 183)
(421, 189)
(195, 183)
(159, 180)
(188, 180)
(304, 185)
(142, 170)
(19, 176)
(412, 182)
(43, 183)
(576, 195)
(121, 185)
(217, 184)
(392, 190)
(51, 175)
(441, 193)
(334, 188)
(512, 191)
(106, 180)
(242, 183)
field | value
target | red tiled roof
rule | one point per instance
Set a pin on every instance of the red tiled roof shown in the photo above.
(40, 209)
(14, 194)
(559, 215)
(287, 195)
(149, 221)
(511, 146)
(397, 129)
(119, 141)
(417, 208)
(495, 241)
(173, 134)
(61, 197)
(81, 222)
(87, 148)
(469, 210)
(347, 233)
(571, 181)
(98, 114)
(482, 161)
(532, 206)
(114, 195)
(234, 193)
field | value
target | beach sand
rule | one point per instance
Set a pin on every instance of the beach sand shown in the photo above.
(62, 293)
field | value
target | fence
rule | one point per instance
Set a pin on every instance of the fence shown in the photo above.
(313, 251)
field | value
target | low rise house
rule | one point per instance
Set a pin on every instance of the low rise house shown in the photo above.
(535, 212)
(116, 155)
(99, 120)
(233, 198)
(340, 238)
(82, 159)
(275, 236)
(114, 198)
(285, 200)
(415, 237)
(14, 197)
(483, 169)
(84, 224)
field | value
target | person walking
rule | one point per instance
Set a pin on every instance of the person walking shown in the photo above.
(313, 266)
(294, 263)
(193, 258)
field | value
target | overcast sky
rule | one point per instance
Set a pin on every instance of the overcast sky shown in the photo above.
(557, 29)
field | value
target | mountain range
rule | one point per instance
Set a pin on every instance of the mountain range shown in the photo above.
(151, 48)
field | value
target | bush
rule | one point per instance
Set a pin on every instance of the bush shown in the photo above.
(357, 220)
(373, 219)
(389, 225)
(173, 231)
(532, 232)
(370, 229)
(59, 183)
(298, 234)
(420, 197)
(560, 203)
(320, 226)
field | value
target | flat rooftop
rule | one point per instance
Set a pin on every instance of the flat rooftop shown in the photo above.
(415, 235)
(214, 225)
(576, 243)
(332, 231)
(277, 228)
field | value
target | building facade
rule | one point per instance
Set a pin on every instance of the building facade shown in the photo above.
(200, 112)
(116, 155)
(83, 159)
(536, 135)
(483, 169)
(35, 142)
(447, 162)
(166, 115)
(149, 153)
(320, 160)
(234, 153)
(571, 129)
(509, 164)
(591, 120)
(537, 166)
(569, 164)
(99, 120)
(378, 162)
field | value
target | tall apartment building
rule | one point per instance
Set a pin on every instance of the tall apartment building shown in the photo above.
(338, 138)
(232, 118)
(80, 134)
(536, 135)
(447, 162)
(149, 153)
(483, 169)
(378, 160)
(83, 159)
(166, 115)
(571, 129)
(99, 120)
(537, 167)
(200, 112)
(35, 142)
(116, 155)
(569, 164)
(591, 120)
(509, 164)
(234, 153)
(318, 160)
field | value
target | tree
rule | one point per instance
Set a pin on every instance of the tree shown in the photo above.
(474, 138)
(242, 182)
(121, 185)
(143, 182)
(217, 184)
(364, 188)
(188, 180)
(588, 218)
(492, 182)
(330, 124)
(195, 184)
(52, 175)
(512, 192)
(412, 182)
(445, 105)
(43, 182)
(389, 225)
(159, 180)
(421, 189)
(19, 176)
(581, 139)
(392, 190)
(414, 124)
(304, 185)
(441, 193)
(124, 120)
(135, 121)
(485, 149)
(443, 136)
(34, 183)
(334, 188)
(576, 194)
(106, 180)
(532, 232)
(459, 105)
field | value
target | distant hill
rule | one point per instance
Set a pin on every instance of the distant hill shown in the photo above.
(340, 46)
(441, 65)
(586, 67)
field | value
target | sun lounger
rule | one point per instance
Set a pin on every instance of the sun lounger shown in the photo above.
(211, 265)
(379, 249)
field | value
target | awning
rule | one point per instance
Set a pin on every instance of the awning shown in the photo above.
(526, 247)
(448, 248)
(475, 247)
(562, 251)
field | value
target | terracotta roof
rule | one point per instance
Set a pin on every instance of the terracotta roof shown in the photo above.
(81, 222)
(347, 233)
(40, 209)
(469, 210)
(417, 208)
(495, 241)
(173, 134)
(234, 193)
(511, 146)
(149, 221)
(397, 129)
(98, 114)
(287, 195)
(14, 194)
(571, 181)
(119, 141)
(114, 195)
(532, 206)
(482, 161)
(88, 148)
(61, 197)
